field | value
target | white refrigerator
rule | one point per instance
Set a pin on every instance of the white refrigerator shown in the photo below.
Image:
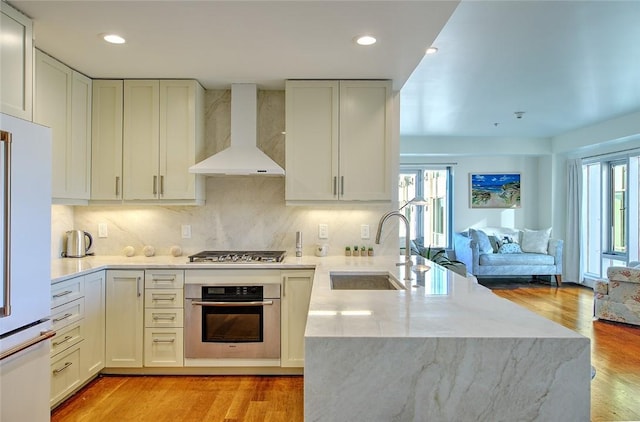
(25, 270)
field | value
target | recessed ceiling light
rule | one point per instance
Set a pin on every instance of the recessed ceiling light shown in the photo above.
(365, 40)
(114, 39)
(431, 50)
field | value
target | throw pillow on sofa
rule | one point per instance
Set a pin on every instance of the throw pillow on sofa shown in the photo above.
(481, 238)
(535, 241)
(510, 248)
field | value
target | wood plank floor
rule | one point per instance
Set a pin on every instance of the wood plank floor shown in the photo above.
(615, 391)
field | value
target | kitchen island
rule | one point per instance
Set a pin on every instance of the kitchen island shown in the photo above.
(446, 350)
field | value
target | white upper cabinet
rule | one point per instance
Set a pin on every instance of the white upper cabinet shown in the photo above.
(63, 103)
(16, 66)
(140, 147)
(338, 141)
(146, 135)
(106, 140)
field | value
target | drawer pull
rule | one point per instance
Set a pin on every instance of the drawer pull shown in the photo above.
(64, 340)
(160, 340)
(163, 298)
(66, 292)
(66, 365)
(65, 316)
(164, 317)
(165, 279)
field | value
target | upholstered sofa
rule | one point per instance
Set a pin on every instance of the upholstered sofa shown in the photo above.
(618, 297)
(499, 251)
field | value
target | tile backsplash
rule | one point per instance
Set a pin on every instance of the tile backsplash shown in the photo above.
(243, 212)
(240, 213)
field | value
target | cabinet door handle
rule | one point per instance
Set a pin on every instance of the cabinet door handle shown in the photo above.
(117, 185)
(138, 286)
(159, 340)
(341, 185)
(161, 185)
(66, 365)
(155, 185)
(66, 292)
(63, 317)
(335, 185)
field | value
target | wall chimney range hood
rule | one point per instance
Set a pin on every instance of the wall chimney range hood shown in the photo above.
(243, 157)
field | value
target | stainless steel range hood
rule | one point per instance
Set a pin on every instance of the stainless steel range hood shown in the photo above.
(243, 157)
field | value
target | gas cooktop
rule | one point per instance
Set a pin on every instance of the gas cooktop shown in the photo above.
(238, 256)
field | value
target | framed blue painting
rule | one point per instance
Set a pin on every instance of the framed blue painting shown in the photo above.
(495, 190)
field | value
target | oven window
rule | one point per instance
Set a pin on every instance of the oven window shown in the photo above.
(232, 324)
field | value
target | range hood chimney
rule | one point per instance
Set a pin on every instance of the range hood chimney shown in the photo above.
(243, 157)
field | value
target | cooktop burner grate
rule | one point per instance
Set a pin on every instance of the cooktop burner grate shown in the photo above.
(238, 256)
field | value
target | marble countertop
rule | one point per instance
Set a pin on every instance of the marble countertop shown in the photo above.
(440, 303)
(65, 268)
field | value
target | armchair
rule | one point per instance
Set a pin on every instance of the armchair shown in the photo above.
(618, 297)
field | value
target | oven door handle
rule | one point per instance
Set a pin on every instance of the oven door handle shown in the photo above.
(260, 303)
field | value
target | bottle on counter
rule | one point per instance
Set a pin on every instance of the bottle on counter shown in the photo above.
(298, 244)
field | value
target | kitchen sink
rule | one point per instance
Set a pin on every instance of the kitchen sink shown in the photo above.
(363, 281)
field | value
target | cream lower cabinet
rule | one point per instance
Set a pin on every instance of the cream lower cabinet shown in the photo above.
(163, 319)
(296, 292)
(67, 320)
(66, 374)
(92, 354)
(62, 101)
(16, 66)
(338, 142)
(124, 319)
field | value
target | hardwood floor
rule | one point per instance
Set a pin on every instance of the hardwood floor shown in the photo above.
(614, 391)
(182, 398)
(615, 348)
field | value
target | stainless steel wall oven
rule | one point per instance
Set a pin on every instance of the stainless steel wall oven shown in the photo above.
(232, 321)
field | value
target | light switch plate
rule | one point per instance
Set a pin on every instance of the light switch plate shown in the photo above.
(102, 230)
(323, 231)
(364, 231)
(186, 231)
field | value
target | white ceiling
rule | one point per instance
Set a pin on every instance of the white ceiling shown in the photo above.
(221, 42)
(566, 64)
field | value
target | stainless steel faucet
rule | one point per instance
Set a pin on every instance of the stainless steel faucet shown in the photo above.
(407, 249)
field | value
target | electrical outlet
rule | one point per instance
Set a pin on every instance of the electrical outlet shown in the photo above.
(102, 230)
(364, 231)
(186, 231)
(323, 231)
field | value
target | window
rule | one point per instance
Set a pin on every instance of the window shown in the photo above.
(610, 209)
(431, 224)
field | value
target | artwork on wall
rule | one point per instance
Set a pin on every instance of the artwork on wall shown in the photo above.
(495, 190)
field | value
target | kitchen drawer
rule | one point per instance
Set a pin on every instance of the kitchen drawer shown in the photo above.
(171, 318)
(66, 291)
(66, 314)
(163, 279)
(66, 337)
(163, 347)
(65, 374)
(163, 298)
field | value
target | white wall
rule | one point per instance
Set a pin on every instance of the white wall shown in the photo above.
(535, 211)
(542, 163)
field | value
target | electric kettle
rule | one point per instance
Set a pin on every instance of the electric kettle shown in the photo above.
(77, 245)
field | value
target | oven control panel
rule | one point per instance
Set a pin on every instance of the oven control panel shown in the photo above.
(240, 293)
